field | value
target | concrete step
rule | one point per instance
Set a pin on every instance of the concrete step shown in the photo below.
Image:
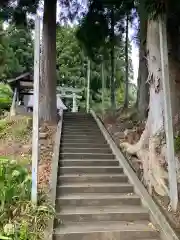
(77, 127)
(97, 199)
(89, 118)
(95, 188)
(80, 130)
(83, 141)
(85, 178)
(92, 170)
(85, 150)
(79, 122)
(80, 117)
(83, 136)
(103, 213)
(84, 145)
(81, 126)
(86, 156)
(77, 139)
(89, 162)
(106, 230)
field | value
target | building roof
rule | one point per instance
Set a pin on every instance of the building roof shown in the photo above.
(23, 76)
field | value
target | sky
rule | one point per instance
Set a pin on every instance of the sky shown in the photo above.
(135, 57)
(135, 62)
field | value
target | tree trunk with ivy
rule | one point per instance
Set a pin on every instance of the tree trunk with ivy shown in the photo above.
(151, 148)
(48, 103)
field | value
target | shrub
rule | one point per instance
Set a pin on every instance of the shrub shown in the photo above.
(19, 218)
(5, 96)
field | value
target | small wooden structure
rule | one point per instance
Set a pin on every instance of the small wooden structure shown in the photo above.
(22, 87)
(22, 84)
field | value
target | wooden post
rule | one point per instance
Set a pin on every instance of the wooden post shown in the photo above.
(103, 86)
(13, 106)
(168, 114)
(35, 135)
(88, 86)
(74, 108)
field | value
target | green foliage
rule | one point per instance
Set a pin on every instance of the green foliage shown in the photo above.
(5, 96)
(19, 218)
(71, 68)
(95, 30)
(177, 144)
(20, 41)
(16, 52)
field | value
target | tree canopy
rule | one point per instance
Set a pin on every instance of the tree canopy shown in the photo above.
(16, 49)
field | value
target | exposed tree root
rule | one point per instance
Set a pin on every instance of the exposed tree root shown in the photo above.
(153, 162)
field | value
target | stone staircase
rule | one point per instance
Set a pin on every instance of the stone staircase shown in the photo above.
(95, 200)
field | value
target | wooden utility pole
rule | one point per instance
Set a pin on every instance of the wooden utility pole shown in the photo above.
(168, 114)
(88, 85)
(35, 135)
(103, 86)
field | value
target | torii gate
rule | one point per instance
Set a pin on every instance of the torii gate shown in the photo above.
(72, 93)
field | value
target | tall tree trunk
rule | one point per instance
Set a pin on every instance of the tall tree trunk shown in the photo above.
(103, 87)
(151, 148)
(48, 102)
(126, 94)
(113, 104)
(143, 85)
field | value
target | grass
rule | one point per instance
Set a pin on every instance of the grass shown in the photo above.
(177, 144)
(18, 128)
(19, 218)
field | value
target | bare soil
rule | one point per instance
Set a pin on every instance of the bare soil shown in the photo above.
(16, 143)
(125, 127)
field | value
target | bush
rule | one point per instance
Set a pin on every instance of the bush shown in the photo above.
(19, 218)
(5, 96)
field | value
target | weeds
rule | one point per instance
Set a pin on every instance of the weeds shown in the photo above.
(177, 144)
(18, 128)
(19, 218)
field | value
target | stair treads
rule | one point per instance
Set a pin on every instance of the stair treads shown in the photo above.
(80, 149)
(103, 209)
(90, 169)
(88, 162)
(95, 187)
(88, 155)
(103, 213)
(96, 199)
(118, 229)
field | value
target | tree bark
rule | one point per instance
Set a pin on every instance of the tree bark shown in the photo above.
(143, 85)
(103, 87)
(126, 95)
(150, 148)
(113, 104)
(48, 102)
